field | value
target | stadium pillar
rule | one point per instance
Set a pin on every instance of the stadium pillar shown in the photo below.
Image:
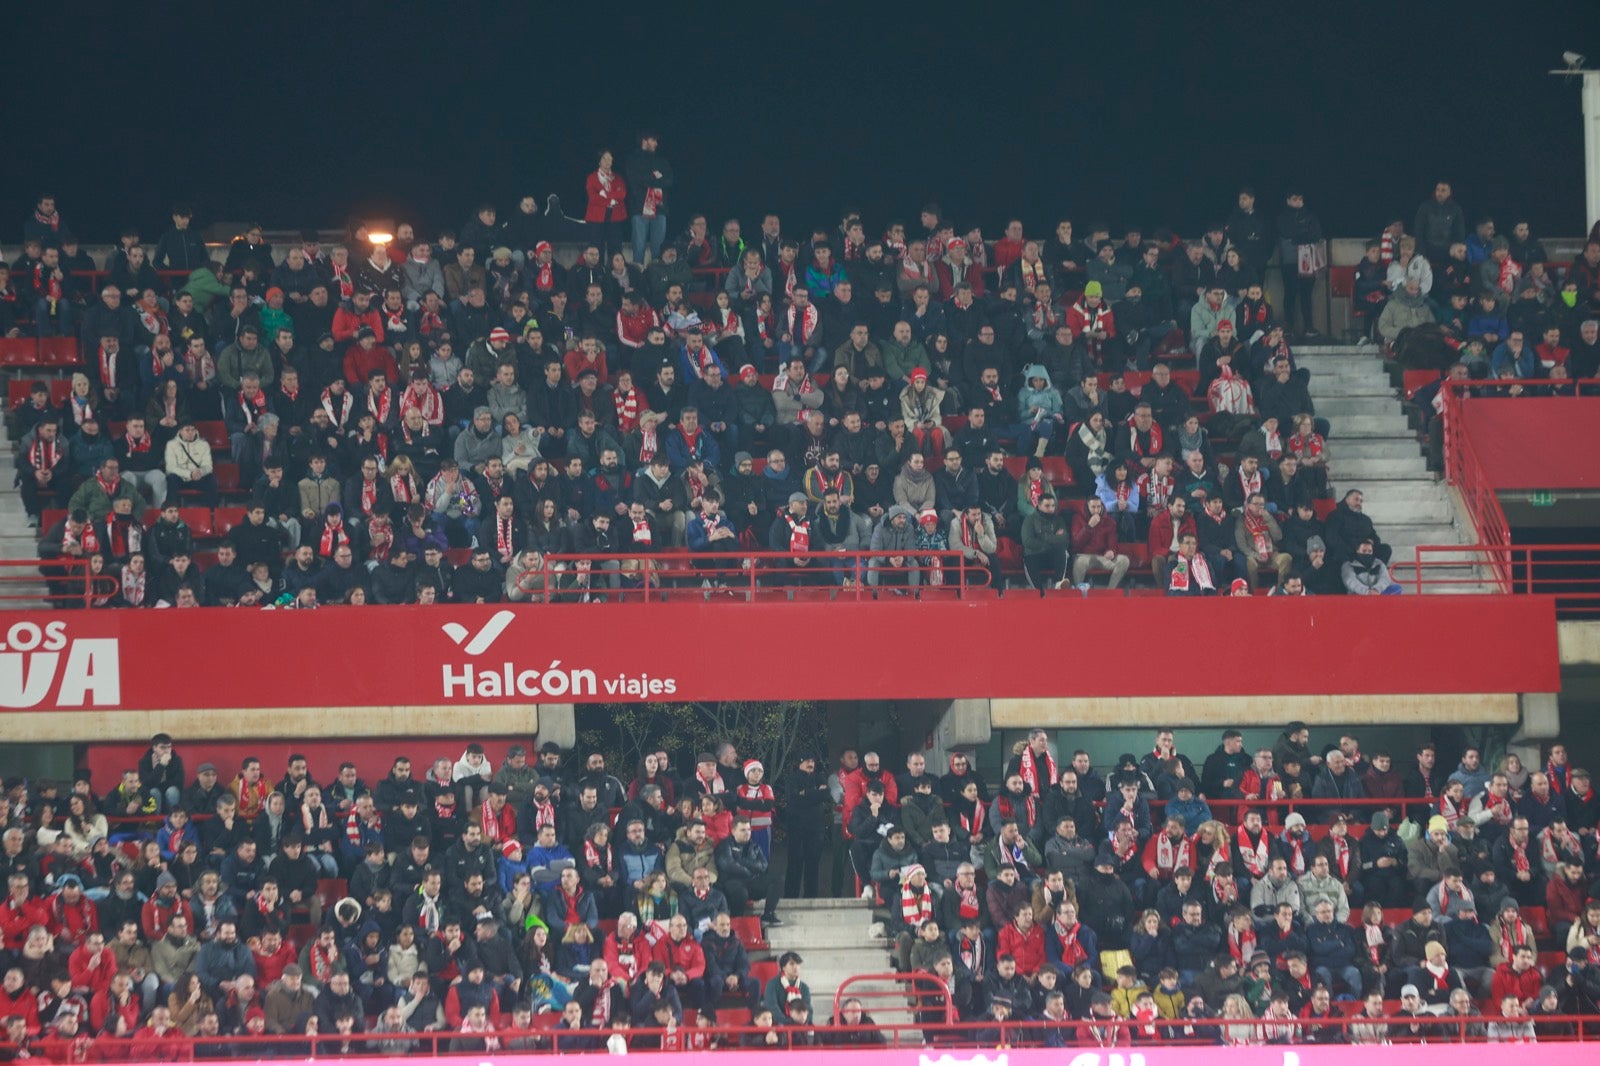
(1541, 721)
(558, 722)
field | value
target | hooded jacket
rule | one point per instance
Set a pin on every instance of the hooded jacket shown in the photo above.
(1048, 398)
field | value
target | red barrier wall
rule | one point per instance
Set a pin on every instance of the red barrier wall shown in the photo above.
(1017, 647)
(1535, 442)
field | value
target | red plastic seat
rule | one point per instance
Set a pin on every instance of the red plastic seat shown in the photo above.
(60, 389)
(1538, 920)
(227, 477)
(214, 434)
(17, 352)
(59, 351)
(764, 970)
(1056, 470)
(227, 518)
(748, 930)
(1416, 379)
(199, 521)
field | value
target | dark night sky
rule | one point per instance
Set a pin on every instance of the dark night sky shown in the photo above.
(305, 114)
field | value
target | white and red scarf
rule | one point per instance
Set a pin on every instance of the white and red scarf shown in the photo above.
(1029, 769)
(1255, 856)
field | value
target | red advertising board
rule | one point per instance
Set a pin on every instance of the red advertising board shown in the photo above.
(1017, 647)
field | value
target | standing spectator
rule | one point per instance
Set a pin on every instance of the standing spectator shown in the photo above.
(649, 178)
(1301, 258)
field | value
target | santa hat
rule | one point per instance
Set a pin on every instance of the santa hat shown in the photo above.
(753, 764)
(907, 872)
(511, 848)
(957, 242)
(542, 247)
(746, 369)
(1239, 583)
(927, 513)
(499, 334)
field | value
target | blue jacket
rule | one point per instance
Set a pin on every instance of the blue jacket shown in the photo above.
(1052, 945)
(691, 372)
(634, 864)
(1502, 358)
(1468, 943)
(1332, 944)
(680, 453)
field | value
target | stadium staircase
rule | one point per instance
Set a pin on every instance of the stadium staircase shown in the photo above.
(1374, 448)
(831, 935)
(18, 540)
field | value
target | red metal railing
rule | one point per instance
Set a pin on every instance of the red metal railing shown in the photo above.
(1569, 572)
(1465, 471)
(60, 582)
(922, 998)
(1341, 1025)
(742, 576)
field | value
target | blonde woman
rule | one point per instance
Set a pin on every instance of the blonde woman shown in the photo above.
(1236, 1009)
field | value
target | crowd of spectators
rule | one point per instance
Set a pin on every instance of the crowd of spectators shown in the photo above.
(489, 903)
(1040, 406)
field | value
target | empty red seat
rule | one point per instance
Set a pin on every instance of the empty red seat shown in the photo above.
(1056, 470)
(214, 434)
(227, 477)
(1324, 508)
(58, 351)
(60, 389)
(199, 521)
(748, 930)
(19, 351)
(1538, 920)
(1416, 379)
(227, 518)
(764, 970)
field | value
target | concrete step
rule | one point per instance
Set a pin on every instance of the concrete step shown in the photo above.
(1362, 469)
(790, 937)
(1372, 425)
(1407, 535)
(1396, 446)
(823, 904)
(1324, 348)
(1392, 510)
(1336, 406)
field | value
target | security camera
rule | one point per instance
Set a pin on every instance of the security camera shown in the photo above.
(1573, 59)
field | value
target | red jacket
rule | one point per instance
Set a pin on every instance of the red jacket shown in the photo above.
(347, 322)
(90, 978)
(25, 1005)
(575, 361)
(1161, 532)
(855, 790)
(155, 916)
(1082, 318)
(1093, 540)
(1524, 985)
(606, 204)
(639, 955)
(16, 920)
(360, 362)
(685, 955)
(150, 1046)
(947, 280)
(631, 329)
(103, 1012)
(1563, 902)
(1027, 948)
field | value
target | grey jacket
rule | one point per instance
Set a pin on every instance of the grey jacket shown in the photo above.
(417, 278)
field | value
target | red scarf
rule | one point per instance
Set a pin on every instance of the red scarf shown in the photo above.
(428, 401)
(595, 858)
(253, 408)
(503, 542)
(108, 368)
(1156, 440)
(1512, 937)
(1170, 856)
(1297, 855)
(136, 445)
(1519, 857)
(1031, 274)
(1260, 534)
(369, 496)
(1035, 492)
(642, 534)
(600, 1017)
(1251, 484)
(972, 823)
(341, 275)
(1072, 952)
(1225, 890)
(333, 537)
(404, 488)
(53, 219)
(1241, 945)
(1029, 769)
(1200, 569)
(339, 414)
(799, 535)
(627, 405)
(1255, 855)
(1303, 445)
(916, 904)
(1341, 856)
(43, 454)
(379, 405)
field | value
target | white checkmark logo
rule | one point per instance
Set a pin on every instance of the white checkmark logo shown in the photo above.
(484, 637)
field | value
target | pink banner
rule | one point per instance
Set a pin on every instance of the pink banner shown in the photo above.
(1299, 1055)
